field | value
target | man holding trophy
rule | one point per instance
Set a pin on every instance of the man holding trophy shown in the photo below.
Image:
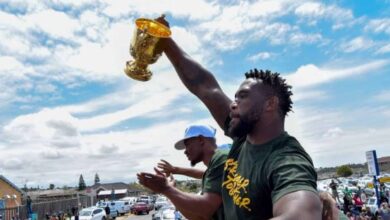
(267, 173)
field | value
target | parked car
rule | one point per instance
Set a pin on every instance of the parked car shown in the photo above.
(148, 201)
(165, 213)
(140, 207)
(113, 211)
(130, 200)
(160, 202)
(121, 207)
(92, 213)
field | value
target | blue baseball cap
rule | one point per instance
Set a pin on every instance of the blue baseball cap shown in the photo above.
(195, 131)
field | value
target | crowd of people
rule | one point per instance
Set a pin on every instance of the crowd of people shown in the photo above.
(354, 203)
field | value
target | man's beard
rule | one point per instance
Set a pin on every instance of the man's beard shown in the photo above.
(241, 129)
(196, 160)
(245, 124)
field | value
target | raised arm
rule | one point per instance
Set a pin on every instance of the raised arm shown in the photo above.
(299, 205)
(168, 169)
(199, 81)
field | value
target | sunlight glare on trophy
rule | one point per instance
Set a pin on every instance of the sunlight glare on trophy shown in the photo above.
(144, 48)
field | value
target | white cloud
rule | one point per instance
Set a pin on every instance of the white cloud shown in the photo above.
(358, 43)
(194, 10)
(142, 108)
(105, 149)
(333, 132)
(316, 10)
(384, 49)
(383, 96)
(70, 3)
(51, 154)
(379, 25)
(305, 94)
(48, 127)
(11, 65)
(40, 21)
(13, 164)
(330, 134)
(310, 75)
(313, 9)
(299, 38)
(260, 56)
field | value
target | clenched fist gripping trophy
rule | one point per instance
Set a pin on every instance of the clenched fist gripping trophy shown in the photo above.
(144, 47)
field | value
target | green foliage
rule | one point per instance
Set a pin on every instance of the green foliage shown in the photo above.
(51, 186)
(191, 186)
(137, 186)
(82, 185)
(344, 171)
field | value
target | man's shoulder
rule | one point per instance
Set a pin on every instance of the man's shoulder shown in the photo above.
(219, 158)
(289, 145)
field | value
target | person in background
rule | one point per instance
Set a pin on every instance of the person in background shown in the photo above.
(384, 211)
(29, 207)
(200, 146)
(335, 194)
(108, 211)
(358, 204)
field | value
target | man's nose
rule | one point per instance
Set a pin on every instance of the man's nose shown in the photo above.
(233, 105)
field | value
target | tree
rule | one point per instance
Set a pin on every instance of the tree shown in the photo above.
(82, 185)
(344, 171)
(97, 179)
(51, 186)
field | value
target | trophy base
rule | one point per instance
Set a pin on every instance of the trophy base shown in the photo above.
(136, 72)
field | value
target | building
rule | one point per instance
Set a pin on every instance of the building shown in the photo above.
(54, 194)
(10, 194)
(384, 164)
(108, 191)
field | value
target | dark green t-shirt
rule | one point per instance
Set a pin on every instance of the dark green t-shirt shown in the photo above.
(212, 178)
(256, 176)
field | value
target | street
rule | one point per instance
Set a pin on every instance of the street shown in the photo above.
(136, 217)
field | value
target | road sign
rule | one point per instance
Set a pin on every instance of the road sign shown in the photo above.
(372, 163)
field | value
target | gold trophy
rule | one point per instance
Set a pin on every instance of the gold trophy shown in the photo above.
(143, 47)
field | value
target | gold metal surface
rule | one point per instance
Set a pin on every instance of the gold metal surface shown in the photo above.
(143, 48)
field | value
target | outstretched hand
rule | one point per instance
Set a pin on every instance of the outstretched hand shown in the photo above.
(156, 182)
(166, 167)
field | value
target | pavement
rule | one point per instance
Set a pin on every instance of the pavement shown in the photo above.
(124, 217)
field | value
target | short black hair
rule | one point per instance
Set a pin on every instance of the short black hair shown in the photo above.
(278, 86)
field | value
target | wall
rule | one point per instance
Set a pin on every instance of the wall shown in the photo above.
(6, 189)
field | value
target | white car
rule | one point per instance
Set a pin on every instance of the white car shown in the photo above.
(121, 207)
(160, 202)
(165, 213)
(92, 213)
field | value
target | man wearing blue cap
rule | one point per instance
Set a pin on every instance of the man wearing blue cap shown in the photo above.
(199, 145)
(268, 174)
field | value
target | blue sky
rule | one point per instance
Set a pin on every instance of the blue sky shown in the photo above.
(68, 109)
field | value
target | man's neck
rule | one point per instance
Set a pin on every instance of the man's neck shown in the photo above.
(264, 132)
(207, 157)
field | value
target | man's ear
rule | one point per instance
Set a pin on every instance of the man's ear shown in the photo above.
(272, 103)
